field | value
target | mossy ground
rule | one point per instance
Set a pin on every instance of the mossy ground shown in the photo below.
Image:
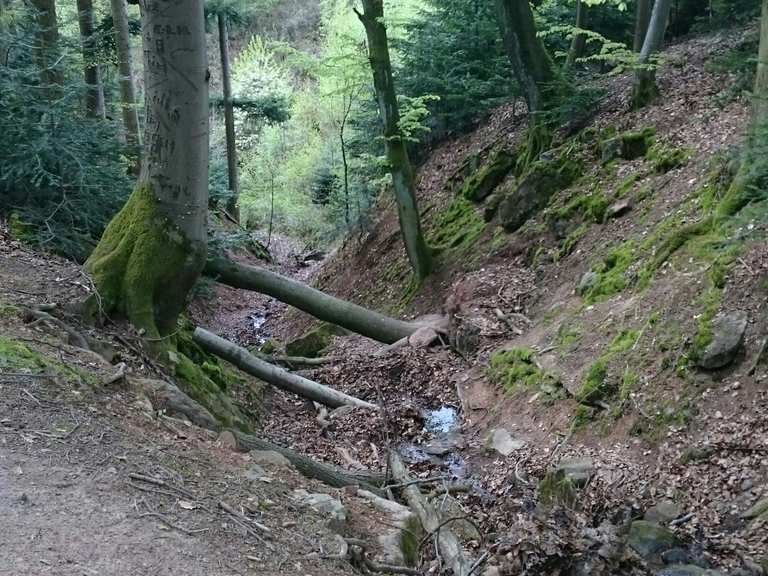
(515, 369)
(17, 356)
(457, 227)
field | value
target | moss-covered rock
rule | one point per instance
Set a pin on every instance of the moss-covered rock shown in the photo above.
(650, 540)
(313, 342)
(458, 226)
(544, 179)
(515, 369)
(628, 145)
(555, 489)
(16, 356)
(481, 183)
(666, 158)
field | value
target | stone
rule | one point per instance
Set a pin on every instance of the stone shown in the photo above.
(760, 508)
(650, 540)
(618, 209)
(503, 442)
(256, 473)
(686, 570)
(449, 507)
(663, 512)
(423, 337)
(577, 470)
(676, 556)
(610, 150)
(588, 280)
(327, 506)
(727, 331)
(492, 571)
(398, 539)
(269, 458)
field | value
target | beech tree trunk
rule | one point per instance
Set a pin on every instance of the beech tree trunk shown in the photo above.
(229, 119)
(94, 98)
(645, 89)
(403, 182)
(275, 375)
(642, 19)
(760, 92)
(153, 251)
(579, 41)
(125, 68)
(312, 301)
(47, 48)
(531, 64)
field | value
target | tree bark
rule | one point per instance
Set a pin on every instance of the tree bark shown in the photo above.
(312, 301)
(531, 64)
(642, 19)
(760, 92)
(125, 68)
(47, 49)
(645, 89)
(274, 375)
(403, 181)
(94, 98)
(450, 547)
(229, 119)
(325, 473)
(153, 251)
(579, 40)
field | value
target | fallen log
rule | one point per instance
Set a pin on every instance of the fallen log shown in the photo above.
(307, 467)
(312, 301)
(448, 544)
(275, 375)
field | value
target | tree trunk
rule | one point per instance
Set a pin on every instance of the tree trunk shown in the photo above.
(229, 119)
(47, 49)
(579, 41)
(125, 68)
(531, 64)
(94, 97)
(760, 93)
(274, 375)
(645, 89)
(419, 254)
(153, 251)
(312, 301)
(325, 473)
(642, 19)
(449, 546)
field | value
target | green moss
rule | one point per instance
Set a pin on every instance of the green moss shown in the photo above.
(271, 346)
(591, 206)
(582, 416)
(9, 310)
(570, 242)
(612, 273)
(479, 185)
(556, 489)
(19, 229)
(567, 337)
(312, 343)
(623, 342)
(628, 383)
(143, 267)
(666, 158)
(457, 227)
(627, 184)
(594, 388)
(409, 541)
(515, 369)
(637, 144)
(17, 356)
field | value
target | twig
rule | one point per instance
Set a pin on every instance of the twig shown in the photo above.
(170, 524)
(682, 520)
(227, 508)
(418, 481)
(448, 521)
(28, 393)
(159, 482)
(478, 563)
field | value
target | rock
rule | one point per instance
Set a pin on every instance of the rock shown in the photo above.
(663, 512)
(423, 337)
(686, 570)
(313, 342)
(449, 507)
(479, 185)
(325, 505)
(610, 150)
(588, 280)
(727, 331)
(577, 470)
(256, 473)
(650, 540)
(636, 144)
(398, 539)
(760, 508)
(165, 396)
(503, 442)
(676, 556)
(492, 571)
(269, 458)
(445, 444)
(618, 209)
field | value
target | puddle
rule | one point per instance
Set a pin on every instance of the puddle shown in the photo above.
(257, 321)
(441, 421)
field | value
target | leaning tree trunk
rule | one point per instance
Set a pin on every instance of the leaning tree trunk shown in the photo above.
(154, 249)
(94, 96)
(579, 40)
(642, 19)
(47, 48)
(403, 182)
(312, 301)
(645, 89)
(229, 119)
(531, 64)
(125, 68)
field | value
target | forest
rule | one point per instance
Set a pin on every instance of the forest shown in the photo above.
(338, 287)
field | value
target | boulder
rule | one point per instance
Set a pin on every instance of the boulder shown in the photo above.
(423, 337)
(327, 506)
(313, 342)
(650, 540)
(727, 335)
(501, 441)
(577, 470)
(398, 539)
(610, 150)
(760, 508)
(618, 209)
(480, 184)
(686, 570)
(269, 458)
(449, 507)
(588, 280)
(663, 512)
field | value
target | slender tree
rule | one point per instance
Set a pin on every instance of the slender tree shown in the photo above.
(645, 89)
(125, 68)
(531, 64)
(94, 98)
(579, 40)
(760, 93)
(419, 254)
(47, 49)
(229, 117)
(154, 249)
(642, 18)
